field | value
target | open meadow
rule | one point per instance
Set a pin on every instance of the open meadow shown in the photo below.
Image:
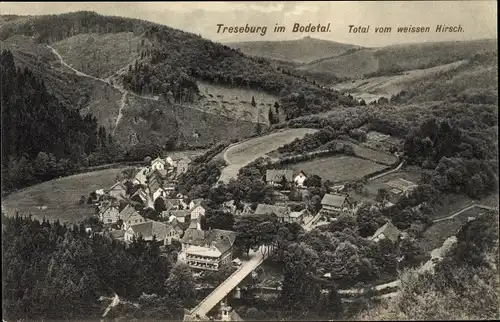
(337, 168)
(58, 199)
(242, 153)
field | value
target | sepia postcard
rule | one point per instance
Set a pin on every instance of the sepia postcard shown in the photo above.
(243, 161)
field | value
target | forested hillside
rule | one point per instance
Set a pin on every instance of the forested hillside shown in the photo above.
(56, 272)
(37, 127)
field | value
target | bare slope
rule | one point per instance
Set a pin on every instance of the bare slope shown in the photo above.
(99, 55)
(302, 50)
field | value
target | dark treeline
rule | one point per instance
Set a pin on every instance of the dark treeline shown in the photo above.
(51, 271)
(41, 137)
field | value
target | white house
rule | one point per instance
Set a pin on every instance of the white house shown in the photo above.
(197, 209)
(158, 164)
(109, 215)
(207, 250)
(141, 177)
(299, 179)
(171, 162)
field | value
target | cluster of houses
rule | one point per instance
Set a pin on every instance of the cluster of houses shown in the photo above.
(120, 208)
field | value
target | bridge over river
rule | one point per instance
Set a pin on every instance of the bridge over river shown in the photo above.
(248, 265)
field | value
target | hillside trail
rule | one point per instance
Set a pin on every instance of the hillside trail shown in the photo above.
(105, 81)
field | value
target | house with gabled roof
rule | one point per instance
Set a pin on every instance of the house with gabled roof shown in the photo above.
(183, 165)
(163, 232)
(334, 204)
(299, 179)
(283, 213)
(118, 191)
(179, 215)
(197, 209)
(130, 217)
(158, 164)
(387, 231)
(155, 187)
(141, 176)
(109, 214)
(207, 250)
(175, 204)
(276, 177)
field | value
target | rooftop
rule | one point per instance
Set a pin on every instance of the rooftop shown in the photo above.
(389, 230)
(333, 200)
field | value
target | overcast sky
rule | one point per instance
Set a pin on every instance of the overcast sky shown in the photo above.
(477, 18)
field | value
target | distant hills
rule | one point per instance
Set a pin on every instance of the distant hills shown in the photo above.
(390, 60)
(304, 50)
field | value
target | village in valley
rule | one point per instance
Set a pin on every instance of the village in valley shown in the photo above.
(145, 204)
(153, 173)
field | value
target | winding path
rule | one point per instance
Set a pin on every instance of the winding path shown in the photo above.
(107, 82)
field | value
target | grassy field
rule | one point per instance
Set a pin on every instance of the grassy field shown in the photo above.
(60, 196)
(374, 155)
(241, 154)
(435, 235)
(337, 168)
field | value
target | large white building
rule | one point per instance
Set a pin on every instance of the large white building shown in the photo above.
(207, 250)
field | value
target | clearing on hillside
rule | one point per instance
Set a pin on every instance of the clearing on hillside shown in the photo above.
(58, 199)
(337, 168)
(235, 103)
(99, 55)
(240, 154)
